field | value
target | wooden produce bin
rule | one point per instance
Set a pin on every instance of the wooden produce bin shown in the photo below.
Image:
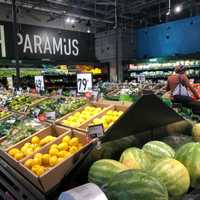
(53, 130)
(54, 175)
(118, 107)
(101, 105)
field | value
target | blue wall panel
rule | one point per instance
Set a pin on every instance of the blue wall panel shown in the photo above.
(169, 39)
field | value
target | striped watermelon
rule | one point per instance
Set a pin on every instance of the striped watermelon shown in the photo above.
(102, 170)
(136, 185)
(135, 158)
(174, 175)
(158, 150)
(189, 155)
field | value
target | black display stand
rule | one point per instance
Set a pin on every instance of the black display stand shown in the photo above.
(148, 113)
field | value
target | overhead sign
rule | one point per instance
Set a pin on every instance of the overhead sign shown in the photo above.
(46, 43)
(84, 82)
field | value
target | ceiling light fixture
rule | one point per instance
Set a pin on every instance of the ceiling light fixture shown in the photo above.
(178, 9)
(70, 20)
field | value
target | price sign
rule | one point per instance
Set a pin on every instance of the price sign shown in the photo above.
(141, 78)
(96, 131)
(84, 82)
(39, 83)
(10, 82)
(51, 115)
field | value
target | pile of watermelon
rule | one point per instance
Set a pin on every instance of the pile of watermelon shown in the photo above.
(155, 172)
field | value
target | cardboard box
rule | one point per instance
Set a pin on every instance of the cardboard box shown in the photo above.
(118, 107)
(101, 105)
(53, 130)
(54, 175)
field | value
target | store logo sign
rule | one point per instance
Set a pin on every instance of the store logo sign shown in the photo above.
(2, 42)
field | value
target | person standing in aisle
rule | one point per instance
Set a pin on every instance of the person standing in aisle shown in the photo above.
(181, 89)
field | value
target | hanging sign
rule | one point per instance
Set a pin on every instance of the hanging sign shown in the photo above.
(84, 82)
(96, 131)
(39, 83)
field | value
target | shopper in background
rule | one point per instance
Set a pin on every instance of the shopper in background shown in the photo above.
(181, 89)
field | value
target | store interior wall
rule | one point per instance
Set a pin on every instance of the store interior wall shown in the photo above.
(169, 39)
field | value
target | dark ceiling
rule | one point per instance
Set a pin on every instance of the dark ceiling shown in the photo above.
(102, 13)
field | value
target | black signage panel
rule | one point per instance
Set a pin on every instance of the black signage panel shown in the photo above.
(46, 43)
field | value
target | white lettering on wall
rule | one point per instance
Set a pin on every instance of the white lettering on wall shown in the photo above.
(57, 47)
(67, 47)
(2, 42)
(47, 46)
(20, 39)
(37, 44)
(75, 46)
(27, 44)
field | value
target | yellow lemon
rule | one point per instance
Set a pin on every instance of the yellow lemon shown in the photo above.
(23, 149)
(60, 159)
(29, 163)
(54, 146)
(38, 155)
(37, 161)
(35, 140)
(73, 149)
(66, 139)
(63, 146)
(63, 154)
(53, 160)
(28, 144)
(45, 159)
(37, 149)
(19, 156)
(13, 151)
(38, 170)
(74, 141)
(29, 151)
(53, 152)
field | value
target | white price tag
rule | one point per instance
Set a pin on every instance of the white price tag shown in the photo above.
(84, 82)
(39, 83)
(51, 115)
(10, 82)
(96, 131)
(141, 78)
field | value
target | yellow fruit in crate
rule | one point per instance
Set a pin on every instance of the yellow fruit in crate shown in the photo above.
(97, 121)
(63, 146)
(43, 142)
(23, 149)
(120, 113)
(37, 149)
(109, 112)
(37, 160)
(80, 145)
(35, 140)
(73, 149)
(63, 154)
(38, 170)
(19, 156)
(28, 144)
(29, 151)
(53, 152)
(53, 160)
(60, 159)
(13, 151)
(109, 119)
(74, 141)
(54, 146)
(45, 159)
(38, 155)
(50, 138)
(29, 163)
(66, 139)
(105, 125)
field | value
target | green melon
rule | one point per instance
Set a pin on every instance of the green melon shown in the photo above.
(157, 150)
(189, 155)
(173, 174)
(136, 185)
(135, 158)
(102, 170)
(196, 132)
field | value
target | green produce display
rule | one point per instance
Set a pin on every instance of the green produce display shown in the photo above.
(189, 155)
(136, 185)
(135, 158)
(21, 130)
(174, 175)
(4, 114)
(157, 150)
(103, 170)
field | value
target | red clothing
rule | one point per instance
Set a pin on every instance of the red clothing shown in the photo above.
(174, 80)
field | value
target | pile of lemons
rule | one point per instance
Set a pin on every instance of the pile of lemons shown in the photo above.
(108, 119)
(78, 118)
(30, 147)
(56, 153)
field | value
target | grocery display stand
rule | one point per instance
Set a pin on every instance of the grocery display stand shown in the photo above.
(155, 114)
